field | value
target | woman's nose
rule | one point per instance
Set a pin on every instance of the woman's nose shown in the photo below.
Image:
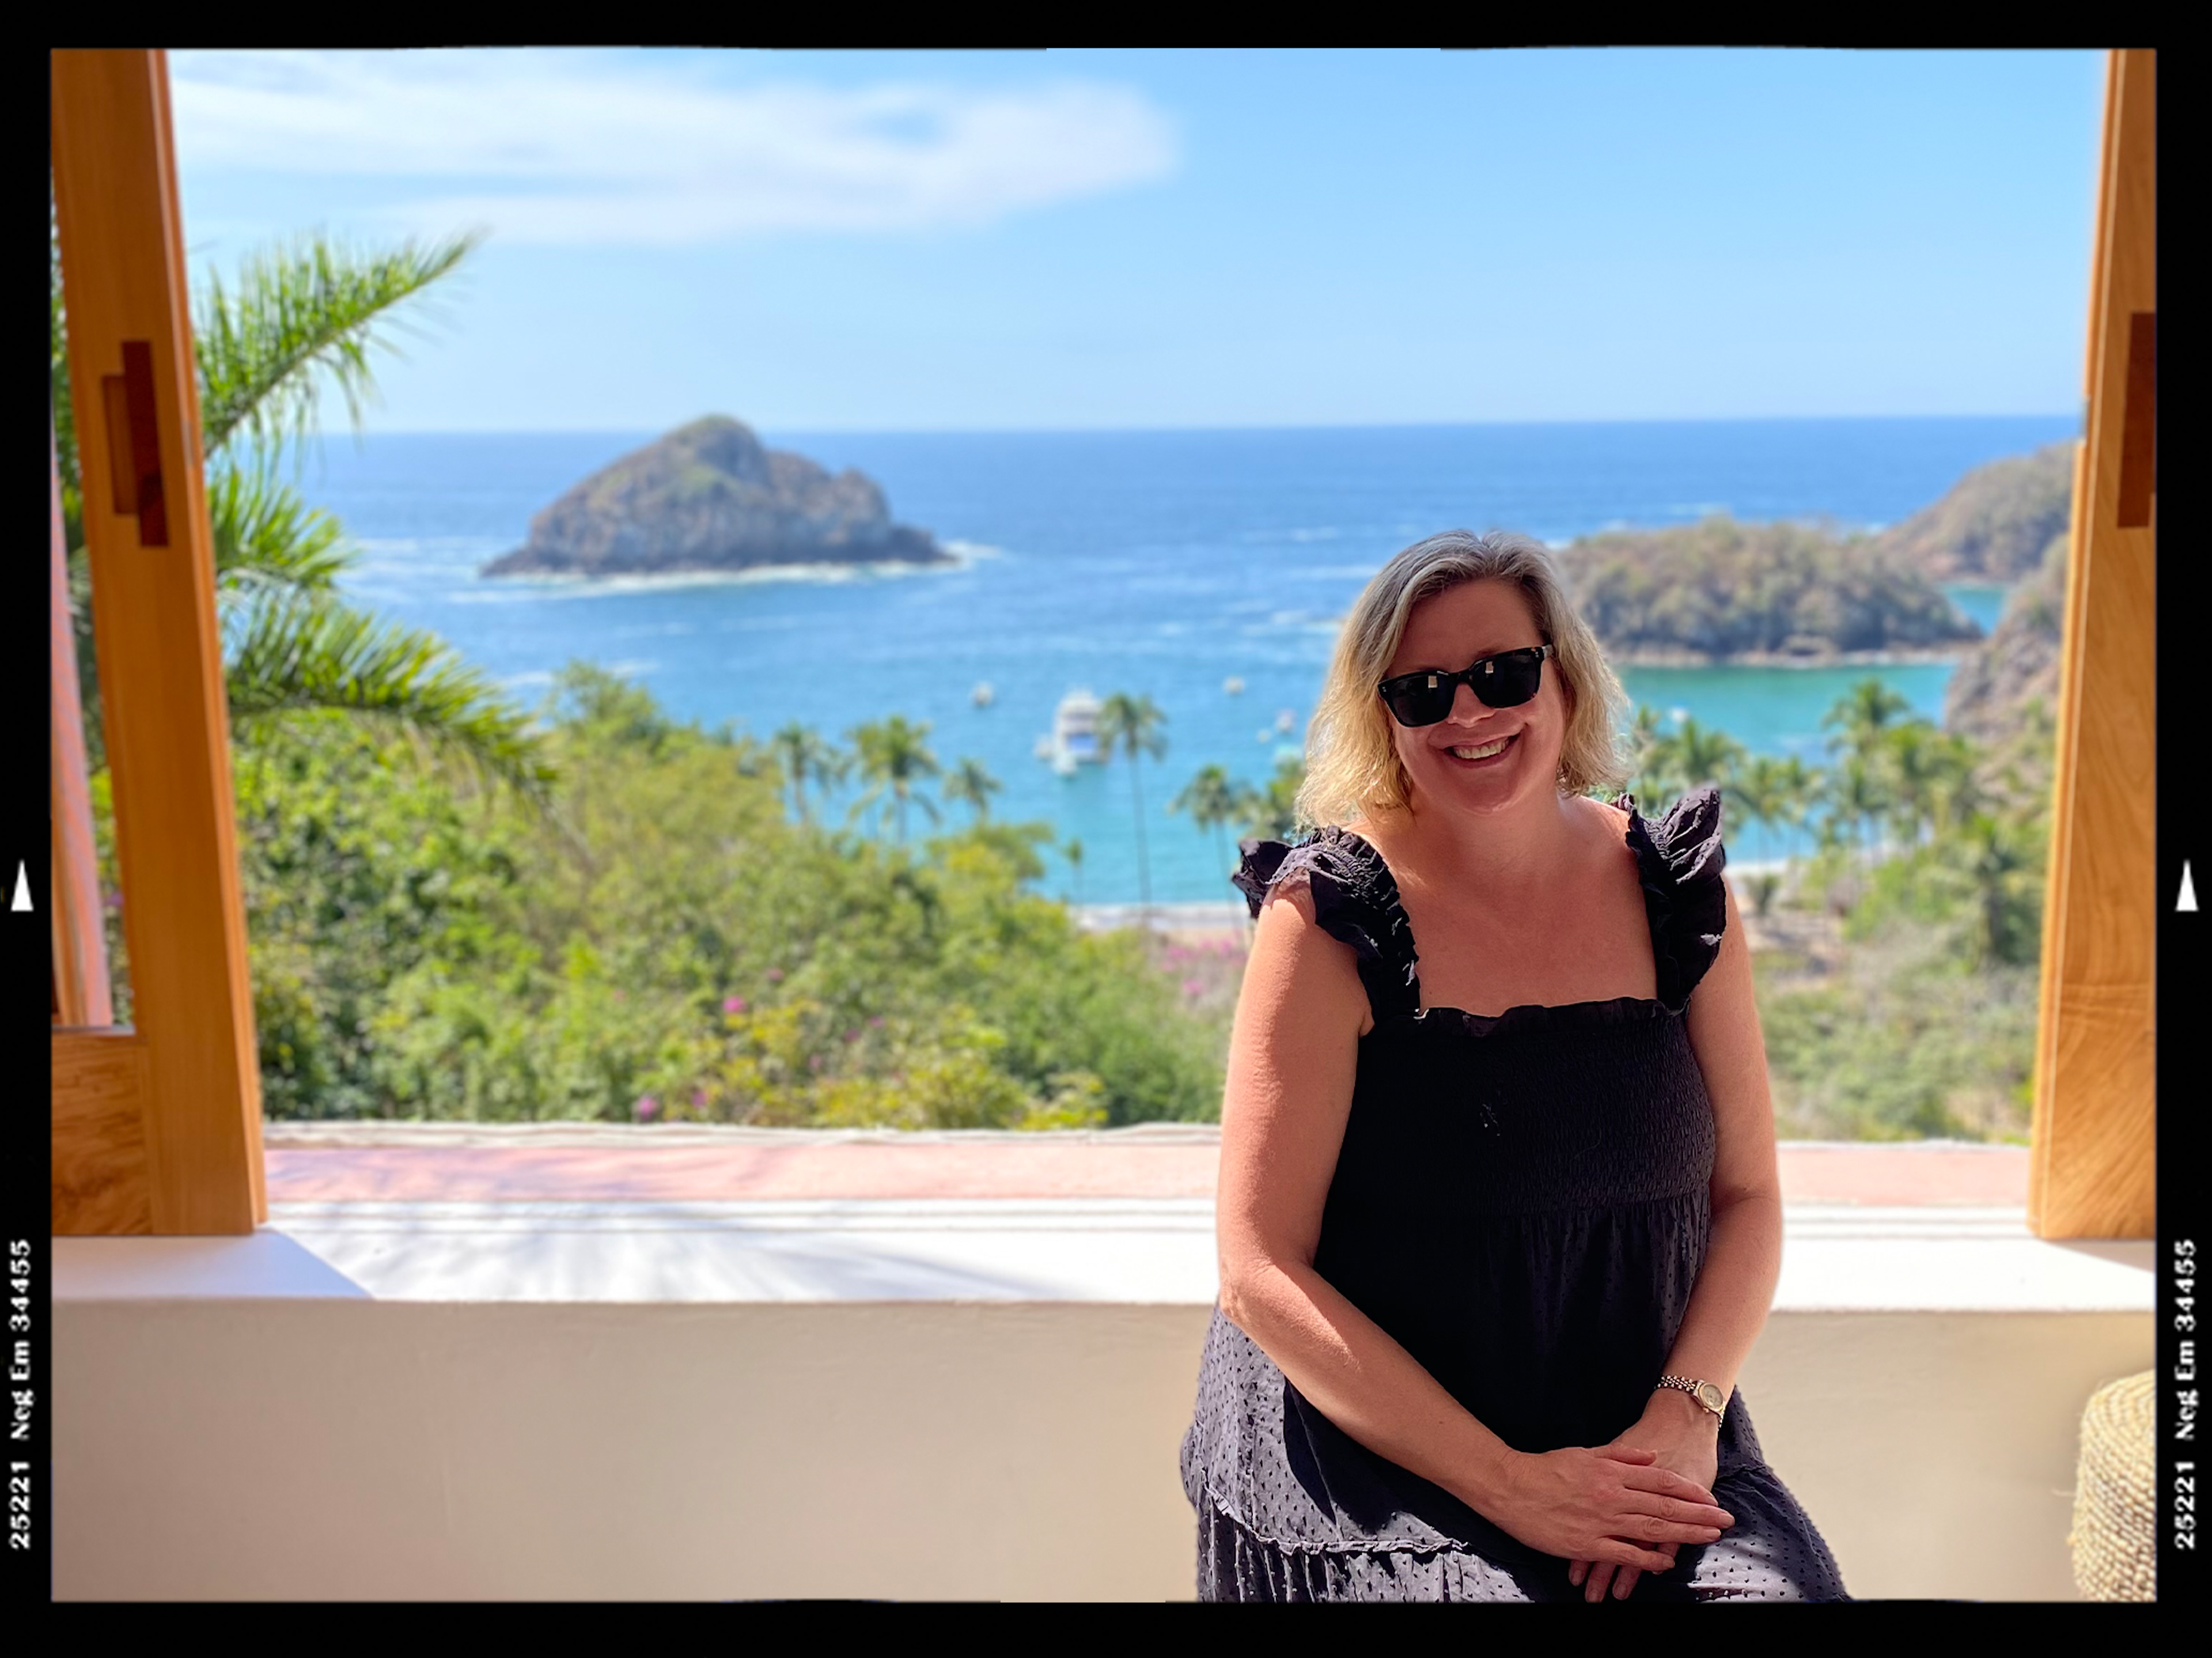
(1468, 709)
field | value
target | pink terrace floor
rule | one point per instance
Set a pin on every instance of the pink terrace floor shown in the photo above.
(619, 1165)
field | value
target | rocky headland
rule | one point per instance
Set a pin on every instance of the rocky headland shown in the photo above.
(711, 497)
(1720, 591)
(1994, 685)
(1994, 524)
(2007, 521)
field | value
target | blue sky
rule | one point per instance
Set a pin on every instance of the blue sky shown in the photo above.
(927, 241)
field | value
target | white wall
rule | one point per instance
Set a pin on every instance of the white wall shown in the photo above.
(1937, 1451)
(352, 1448)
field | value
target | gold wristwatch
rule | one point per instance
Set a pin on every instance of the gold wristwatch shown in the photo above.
(1704, 1392)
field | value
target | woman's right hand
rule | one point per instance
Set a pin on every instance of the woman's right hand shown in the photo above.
(1610, 1503)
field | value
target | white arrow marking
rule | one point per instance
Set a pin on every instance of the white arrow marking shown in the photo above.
(23, 888)
(2188, 899)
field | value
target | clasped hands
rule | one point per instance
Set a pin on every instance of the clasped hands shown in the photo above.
(1616, 1511)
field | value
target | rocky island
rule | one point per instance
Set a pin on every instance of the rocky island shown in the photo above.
(1782, 594)
(711, 497)
(1721, 591)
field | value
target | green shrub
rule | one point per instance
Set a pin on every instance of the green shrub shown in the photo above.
(661, 942)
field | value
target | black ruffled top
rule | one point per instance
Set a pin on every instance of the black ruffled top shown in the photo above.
(1522, 1201)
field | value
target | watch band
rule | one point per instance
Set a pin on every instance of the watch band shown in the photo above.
(1697, 1390)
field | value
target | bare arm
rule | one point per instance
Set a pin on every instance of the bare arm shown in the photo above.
(1292, 1060)
(1728, 1308)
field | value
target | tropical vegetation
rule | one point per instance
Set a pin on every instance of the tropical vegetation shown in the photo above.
(1897, 999)
(667, 939)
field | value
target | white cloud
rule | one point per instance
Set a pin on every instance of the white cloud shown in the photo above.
(571, 147)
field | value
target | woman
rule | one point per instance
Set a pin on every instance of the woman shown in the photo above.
(1500, 1221)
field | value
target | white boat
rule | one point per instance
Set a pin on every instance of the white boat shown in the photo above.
(1232, 686)
(983, 697)
(1074, 735)
(1284, 719)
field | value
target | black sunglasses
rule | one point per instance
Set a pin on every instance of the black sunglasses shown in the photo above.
(1503, 681)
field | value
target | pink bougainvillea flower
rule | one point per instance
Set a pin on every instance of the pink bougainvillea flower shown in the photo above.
(1193, 987)
(775, 975)
(647, 1107)
(876, 1022)
(733, 1004)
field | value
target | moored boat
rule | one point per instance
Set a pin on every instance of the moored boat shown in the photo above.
(1073, 738)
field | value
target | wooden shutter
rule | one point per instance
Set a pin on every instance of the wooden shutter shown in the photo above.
(156, 1128)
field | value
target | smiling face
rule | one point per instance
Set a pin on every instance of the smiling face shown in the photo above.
(1446, 764)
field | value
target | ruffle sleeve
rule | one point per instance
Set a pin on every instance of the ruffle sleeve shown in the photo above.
(1681, 858)
(1355, 901)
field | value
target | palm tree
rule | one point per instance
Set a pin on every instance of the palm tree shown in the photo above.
(300, 319)
(1213, 800)
(1760, 792)
(1702, 756)
(1132, 725)
(2003, 869)
(894, 758)
(1911, 764)
(1801, 786)
(1660, 773)
(1073, 853)
(1856, 796)
(1861, 715)
(1647, 741)
(1272, 813)
(1956, 790)
(973, 785)
(806, 757)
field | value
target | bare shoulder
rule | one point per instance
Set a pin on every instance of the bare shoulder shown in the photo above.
(1387, 836)
(1606, 821)
(1297, 972)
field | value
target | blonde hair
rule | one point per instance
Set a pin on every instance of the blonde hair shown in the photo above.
(1351, 766)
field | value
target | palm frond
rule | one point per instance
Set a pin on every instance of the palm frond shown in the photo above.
(267, 536)
(294, 654)
(303, 315)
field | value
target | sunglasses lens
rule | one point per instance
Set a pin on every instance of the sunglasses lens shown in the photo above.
(1514, 682)
(1421, 704)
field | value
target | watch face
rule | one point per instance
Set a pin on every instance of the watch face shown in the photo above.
(1709, 1397)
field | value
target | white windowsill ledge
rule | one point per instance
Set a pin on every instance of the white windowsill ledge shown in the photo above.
(1147, 1251)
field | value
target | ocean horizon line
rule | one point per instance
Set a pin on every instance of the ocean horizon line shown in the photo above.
(1225, 429)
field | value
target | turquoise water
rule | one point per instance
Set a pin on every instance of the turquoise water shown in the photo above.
(1157, 562)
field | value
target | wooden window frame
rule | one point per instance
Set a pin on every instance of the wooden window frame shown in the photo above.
(2091, 1164)
(157, 1128)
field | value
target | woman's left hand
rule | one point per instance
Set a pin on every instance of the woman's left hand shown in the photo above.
(1686, 1437)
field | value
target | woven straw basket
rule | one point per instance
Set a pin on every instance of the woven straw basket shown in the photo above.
(2115, 1535)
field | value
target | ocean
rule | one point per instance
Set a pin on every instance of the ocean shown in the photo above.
(1165, 563)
